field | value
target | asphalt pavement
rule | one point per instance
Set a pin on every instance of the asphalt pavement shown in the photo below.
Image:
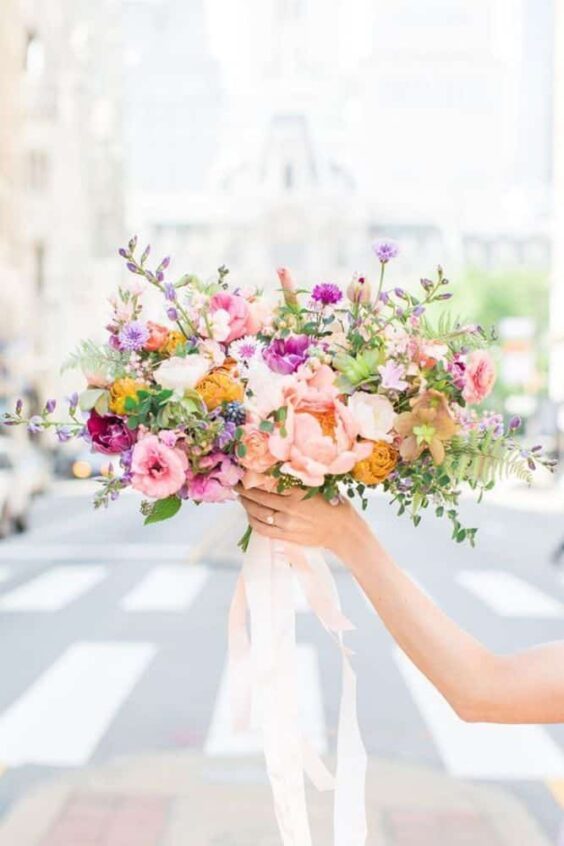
(113, 648)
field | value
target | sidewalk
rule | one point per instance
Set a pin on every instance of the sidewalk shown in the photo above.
(183, 799)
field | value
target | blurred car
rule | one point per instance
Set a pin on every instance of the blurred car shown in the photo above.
(15, 493)
(81, 464)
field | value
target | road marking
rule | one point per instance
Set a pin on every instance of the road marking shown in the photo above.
(60, 719)
(479, 750)
(223, 741)
(31, 551)
(508, 595)
(167, 588)
(53, 590)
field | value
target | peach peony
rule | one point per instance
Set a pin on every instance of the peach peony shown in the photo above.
(310, 451)
(479, 377)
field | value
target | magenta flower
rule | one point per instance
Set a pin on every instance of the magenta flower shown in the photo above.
(285, 355)
(326, 294)
(109, 434)
(217, 485)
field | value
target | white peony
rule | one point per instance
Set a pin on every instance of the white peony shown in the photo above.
(180, 374)
(374, 415)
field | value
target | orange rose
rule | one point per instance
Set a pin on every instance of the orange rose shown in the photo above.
(257, 456)
(158, 336)
(378, 466)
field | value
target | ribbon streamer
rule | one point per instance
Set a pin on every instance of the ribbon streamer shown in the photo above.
(264, 687)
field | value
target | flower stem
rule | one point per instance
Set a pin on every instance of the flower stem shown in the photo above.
(243, 543)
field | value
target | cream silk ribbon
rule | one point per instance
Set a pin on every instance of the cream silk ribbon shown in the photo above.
(264, 687)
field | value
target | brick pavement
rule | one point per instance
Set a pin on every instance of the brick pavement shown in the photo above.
(183, 799)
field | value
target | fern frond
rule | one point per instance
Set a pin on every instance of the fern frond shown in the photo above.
(91, 357)
(482, 461)
(450, 329)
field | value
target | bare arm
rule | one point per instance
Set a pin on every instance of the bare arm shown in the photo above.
(527, 687)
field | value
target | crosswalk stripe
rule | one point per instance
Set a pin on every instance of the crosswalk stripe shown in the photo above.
(478, 750)
(31, 551)
(53, 590)
(223, 741)
(60, 719)
(508, 595)
(167, 588)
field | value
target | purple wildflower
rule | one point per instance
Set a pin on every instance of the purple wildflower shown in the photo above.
(133, 336)
(123, 252)
(50, 406)
(132, 267)
(172, 314)
(64, 434)
(19, 407)
(327, 294)
(72, 400)
(170, 292)
(418, 311)
(34, 424)
(226, 436)
(515, 423)
(385, 250)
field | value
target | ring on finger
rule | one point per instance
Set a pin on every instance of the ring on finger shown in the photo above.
(271, 519)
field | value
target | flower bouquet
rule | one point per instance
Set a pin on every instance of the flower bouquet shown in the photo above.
(335, 392)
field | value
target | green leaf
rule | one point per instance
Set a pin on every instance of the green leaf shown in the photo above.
(164, 509)
(130, 404)
(266, 426)
(241, 450)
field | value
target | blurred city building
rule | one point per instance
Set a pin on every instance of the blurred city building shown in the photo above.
(63, 145)
(324, 127)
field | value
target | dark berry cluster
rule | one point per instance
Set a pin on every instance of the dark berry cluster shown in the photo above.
(234, 412)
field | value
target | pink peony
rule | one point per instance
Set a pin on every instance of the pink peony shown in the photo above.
(313, 388)
(157, 470)
(318, 443)
(260, 481)
(479, 378)
(237, 310)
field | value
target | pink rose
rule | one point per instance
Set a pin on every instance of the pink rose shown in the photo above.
(237, 310)
(258, 456)
(479, 377)
(318, 444)
(157, 470)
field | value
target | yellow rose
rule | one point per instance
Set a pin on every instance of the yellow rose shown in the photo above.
(378, 466)
(121, 390)
(219, 387)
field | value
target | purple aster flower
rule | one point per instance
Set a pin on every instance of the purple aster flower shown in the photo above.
(285, 355)
(385, 250)
(133, 336)
(327, 294)
(170, 291)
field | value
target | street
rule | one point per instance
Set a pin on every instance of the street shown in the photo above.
(113, 645)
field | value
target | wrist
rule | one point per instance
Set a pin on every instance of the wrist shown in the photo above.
(352, 542)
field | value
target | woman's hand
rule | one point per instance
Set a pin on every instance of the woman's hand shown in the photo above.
(308, 522)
